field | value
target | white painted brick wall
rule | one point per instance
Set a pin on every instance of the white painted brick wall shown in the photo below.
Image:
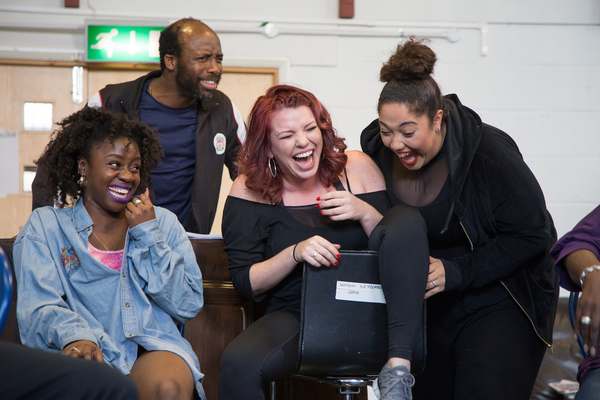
(540, 81)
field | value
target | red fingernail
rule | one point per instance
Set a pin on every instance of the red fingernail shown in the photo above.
(318, 198)
(318, 206)
(330, 217)
(339, 255)
(331, 265)
(336, 263)
(321, 212)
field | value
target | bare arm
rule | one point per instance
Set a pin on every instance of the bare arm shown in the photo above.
(267, 274)
(577, 261)
(589, 301)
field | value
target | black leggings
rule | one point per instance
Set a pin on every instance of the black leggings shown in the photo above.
(401, 239)
(268, 349)
(478, 351)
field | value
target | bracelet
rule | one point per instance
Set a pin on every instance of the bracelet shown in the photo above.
(588, 270)
(294, 253)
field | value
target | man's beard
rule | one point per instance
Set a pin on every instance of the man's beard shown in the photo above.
(188, 85)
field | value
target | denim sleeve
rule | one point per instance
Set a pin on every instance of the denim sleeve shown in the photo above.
(45, 318)
(161, 254)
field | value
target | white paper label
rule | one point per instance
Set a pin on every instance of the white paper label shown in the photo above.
(356, 291)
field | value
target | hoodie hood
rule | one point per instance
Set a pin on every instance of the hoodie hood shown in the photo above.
(463, 135)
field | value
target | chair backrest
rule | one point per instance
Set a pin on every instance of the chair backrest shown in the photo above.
(343, 324)
(6, 288)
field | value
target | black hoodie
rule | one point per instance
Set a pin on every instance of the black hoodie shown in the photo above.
(501, 209)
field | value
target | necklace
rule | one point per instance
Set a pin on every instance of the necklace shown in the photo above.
(150, 87)
(94, 233)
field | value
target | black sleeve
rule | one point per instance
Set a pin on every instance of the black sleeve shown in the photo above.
(245, 236)
(231, 157)
(523, 227)
(233, 142)
(379, 200)
(41, 195)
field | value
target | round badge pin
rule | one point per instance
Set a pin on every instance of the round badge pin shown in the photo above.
(220, 143)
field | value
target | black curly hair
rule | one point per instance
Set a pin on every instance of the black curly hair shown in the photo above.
(408, 79)
(81, 132)
(168, 42)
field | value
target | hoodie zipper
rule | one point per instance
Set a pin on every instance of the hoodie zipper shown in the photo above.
(534, 328)
(513, 297)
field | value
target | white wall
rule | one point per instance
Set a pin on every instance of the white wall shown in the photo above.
(539, 81)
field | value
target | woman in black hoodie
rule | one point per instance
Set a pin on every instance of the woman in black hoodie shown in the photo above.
(491, 287)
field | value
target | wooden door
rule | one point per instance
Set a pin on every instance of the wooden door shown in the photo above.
(51, 82)
(20, 84)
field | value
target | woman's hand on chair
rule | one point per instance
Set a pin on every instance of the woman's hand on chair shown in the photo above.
(83, 349)
(317, 251)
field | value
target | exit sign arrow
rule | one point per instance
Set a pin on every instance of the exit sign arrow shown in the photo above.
(132, 48)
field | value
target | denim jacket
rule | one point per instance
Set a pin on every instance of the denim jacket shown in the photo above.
(65, 295)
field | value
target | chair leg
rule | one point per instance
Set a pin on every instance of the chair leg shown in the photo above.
(348, 392)
(272, 390)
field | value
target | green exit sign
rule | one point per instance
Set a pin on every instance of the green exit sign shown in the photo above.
(118, 43)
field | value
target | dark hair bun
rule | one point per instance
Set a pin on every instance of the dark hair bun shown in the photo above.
(412, 60)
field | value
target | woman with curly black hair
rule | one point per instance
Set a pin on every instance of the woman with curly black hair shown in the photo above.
(105, 275)
(79, 134)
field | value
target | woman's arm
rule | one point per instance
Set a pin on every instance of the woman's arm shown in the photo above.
(364, 177)
(267, 274)
(163, 257)
(584, 236)
(245, 240)
(574, 252)
(45, 318)
(589, 301)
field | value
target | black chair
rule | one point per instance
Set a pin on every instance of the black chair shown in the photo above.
(343, 326)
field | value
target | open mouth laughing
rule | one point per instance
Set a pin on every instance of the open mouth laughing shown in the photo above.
(305, 159)
(408, 157)
(119, 192)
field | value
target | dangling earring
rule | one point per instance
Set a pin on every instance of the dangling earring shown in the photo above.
(81, 181)
(272, 167)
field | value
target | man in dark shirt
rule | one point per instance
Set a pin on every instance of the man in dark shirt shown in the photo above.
(199, 127)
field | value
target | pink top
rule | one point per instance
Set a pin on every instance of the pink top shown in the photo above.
(112, 259)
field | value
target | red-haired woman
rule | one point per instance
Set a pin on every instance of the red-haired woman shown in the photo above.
(300, 198)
